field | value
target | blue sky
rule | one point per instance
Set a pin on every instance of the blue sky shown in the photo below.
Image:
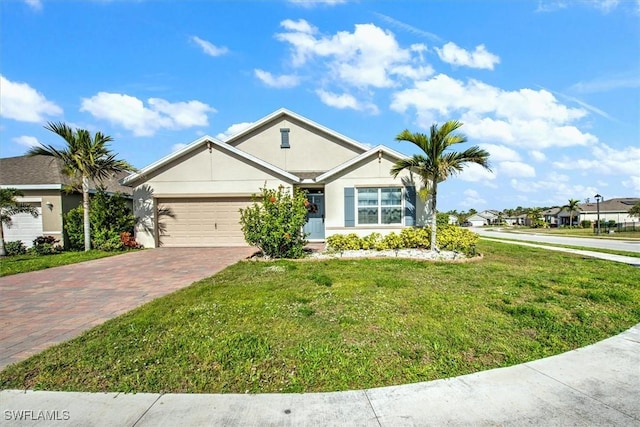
(550, 88)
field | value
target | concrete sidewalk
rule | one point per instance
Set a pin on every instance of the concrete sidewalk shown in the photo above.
(634, 261)
(595, 385)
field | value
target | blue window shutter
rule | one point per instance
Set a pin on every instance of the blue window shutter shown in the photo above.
(410, 206)
(284, 138)
(349, 207)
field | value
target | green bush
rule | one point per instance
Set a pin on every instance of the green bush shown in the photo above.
(15, 247)
(45, 245)
(274, 223)
(109, 215)
(450, 238)
(344, 242)
(585, 223)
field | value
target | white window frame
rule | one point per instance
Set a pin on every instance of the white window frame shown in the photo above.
(379, 206)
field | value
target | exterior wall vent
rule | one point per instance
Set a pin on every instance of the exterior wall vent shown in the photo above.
(284, 138)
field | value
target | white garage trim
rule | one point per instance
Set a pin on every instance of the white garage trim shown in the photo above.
(201, 221)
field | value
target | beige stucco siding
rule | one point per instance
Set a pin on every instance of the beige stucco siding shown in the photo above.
(204, 172)
(371, 172)
(310, 149)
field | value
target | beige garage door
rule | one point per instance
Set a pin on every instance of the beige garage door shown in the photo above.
(202, 222)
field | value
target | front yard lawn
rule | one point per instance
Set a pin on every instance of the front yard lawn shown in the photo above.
(285, 326)
(25, 263)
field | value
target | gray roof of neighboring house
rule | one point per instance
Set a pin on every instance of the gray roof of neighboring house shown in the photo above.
(25, 171)
(622, 204)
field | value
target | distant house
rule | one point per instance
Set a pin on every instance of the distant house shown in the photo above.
(488, 217)
(610, 210)
(44, 187)
(551, 216)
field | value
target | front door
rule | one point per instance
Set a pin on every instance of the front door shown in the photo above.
(315, 217)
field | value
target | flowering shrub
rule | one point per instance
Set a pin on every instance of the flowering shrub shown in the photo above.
(274, 223)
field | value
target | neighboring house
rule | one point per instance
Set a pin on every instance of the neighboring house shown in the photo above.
(610, 210)
(553, 218)
(43, 185)
(488, 217)
(205, 184)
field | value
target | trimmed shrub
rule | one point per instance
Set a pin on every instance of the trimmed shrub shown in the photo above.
(450, 238)
(45, 245)
(15, 247)
(274, 223)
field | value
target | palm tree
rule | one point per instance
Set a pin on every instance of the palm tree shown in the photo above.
(534, 215)
(572, 207)
(438, 163)
(9, 206)
(84, 159)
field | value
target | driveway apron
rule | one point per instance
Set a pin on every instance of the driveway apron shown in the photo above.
(44, 308)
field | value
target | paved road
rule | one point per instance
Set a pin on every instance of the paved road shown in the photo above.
(618, 245)
(46, 307)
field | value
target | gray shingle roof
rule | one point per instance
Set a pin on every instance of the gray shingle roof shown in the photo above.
(622, 204)
(45, 170)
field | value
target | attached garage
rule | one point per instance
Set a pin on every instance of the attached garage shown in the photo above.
(24, 226)
(202, 221)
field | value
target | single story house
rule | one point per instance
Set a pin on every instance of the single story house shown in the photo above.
(610, 210)
(488, 217)
(204, 184)
(44, 187)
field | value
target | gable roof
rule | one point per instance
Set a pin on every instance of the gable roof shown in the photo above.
(283, 112)
(129, 180)
(622, 204)
(45, 173)
(373, 151)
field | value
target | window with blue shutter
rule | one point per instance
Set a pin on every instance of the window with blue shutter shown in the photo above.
(284, 138)
(349, 207)
(410, 206)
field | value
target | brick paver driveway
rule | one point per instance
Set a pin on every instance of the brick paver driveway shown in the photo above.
(43, 308)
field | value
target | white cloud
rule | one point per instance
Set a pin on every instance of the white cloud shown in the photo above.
(517, 169)
(605, 5)
(476, 173)
(34, 4)
(537, 155)
(208, 47)
(345, 100)
(27, 141)
(21, 102)
(479, 58)
(131, 113)
(233, 129)
(177, 147)
(406, 27)
(366, 57)
(500, 153)
(633, 183)
(525, 117)
(283, 81)
(472, 198)
(605, 160)
(605, 84)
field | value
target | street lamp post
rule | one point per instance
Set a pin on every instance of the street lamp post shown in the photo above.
(598, 198)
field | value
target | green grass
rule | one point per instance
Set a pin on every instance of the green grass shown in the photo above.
(576, 232)
(582, 248)
(25, 263)
(284, 326)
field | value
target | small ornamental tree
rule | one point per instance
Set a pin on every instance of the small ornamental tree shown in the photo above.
(274, 222)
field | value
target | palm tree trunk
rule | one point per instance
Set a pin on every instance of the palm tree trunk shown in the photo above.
(3, 251)
(85, 209)
(434, 216)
